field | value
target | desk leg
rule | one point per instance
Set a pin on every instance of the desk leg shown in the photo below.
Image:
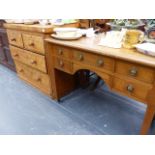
(149, 115)
(150, 112)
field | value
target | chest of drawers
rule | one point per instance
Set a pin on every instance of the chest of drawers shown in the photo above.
(27, 49)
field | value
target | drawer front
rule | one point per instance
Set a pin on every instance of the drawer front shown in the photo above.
(63, 65)
(34, 60)
(135, 71)
(100, 62)
(15, 38)
(34, 77)
(34, 43)
(133, 89)
(61, 51)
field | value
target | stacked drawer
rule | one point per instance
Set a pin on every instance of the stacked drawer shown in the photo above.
(63, 58)
(133, 80)
(28, 52)
(126, 77)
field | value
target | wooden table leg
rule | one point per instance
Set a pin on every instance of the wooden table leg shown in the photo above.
(150, 112)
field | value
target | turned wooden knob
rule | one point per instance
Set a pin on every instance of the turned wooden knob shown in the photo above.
(16, 55)
(33, 62)
(13, 39)
(80, 57)
(100, 62)
(38, 79)
(21, 70)
(130, 88)
(31, 44)
(61, 63)
(133, 71)
(60, 51)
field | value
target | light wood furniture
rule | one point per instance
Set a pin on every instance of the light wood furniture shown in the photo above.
(27, 49)
(125, 71)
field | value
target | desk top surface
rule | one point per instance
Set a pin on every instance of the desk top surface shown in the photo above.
(91, 45)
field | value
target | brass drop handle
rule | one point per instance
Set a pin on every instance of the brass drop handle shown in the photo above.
(13, 39)
(100, 62)
(33, 61)
(133, 71)
(80, 57)
(61, 63)
(130, 88)
(31, 44)
(60, 51)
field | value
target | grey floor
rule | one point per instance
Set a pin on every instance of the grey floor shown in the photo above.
(25, 110)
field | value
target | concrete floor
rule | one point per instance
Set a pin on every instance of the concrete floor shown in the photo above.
(25, 110)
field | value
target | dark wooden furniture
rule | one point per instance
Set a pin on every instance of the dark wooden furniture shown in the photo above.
(125, 71)
(5, 55)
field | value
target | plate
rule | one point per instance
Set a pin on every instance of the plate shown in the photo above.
(146, 48)
(66, 38)
(119, 27)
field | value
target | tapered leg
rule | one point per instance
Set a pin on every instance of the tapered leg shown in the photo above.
(149, 115)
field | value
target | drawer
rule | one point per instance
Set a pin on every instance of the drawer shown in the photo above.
(34, 77)
(61, 51)
(135, 71)
(34, 43)
(100, 62)
(15, 38)
(34, 60)
(131, 88)
(63, 65)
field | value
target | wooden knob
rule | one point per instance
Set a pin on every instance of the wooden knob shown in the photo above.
(133, 71)
(100, 62)
(130, 88)
(33, 62)
(60, 51)
(38, 79)
(16, 55)
(31, 44)
(13, 39)
(80, 57)
(21, 70)
(61, 63)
